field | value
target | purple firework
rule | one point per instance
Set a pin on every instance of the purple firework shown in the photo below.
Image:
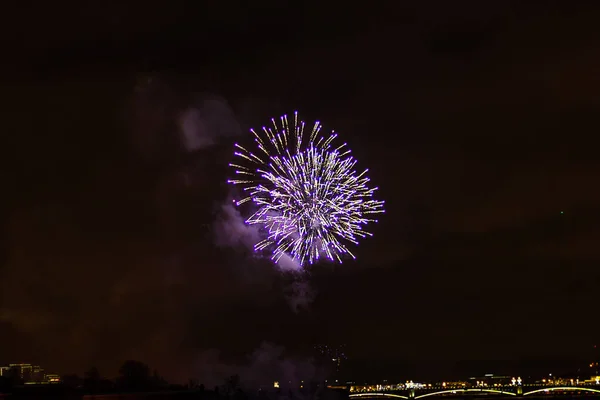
(306, 192)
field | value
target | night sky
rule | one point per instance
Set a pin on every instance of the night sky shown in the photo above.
(478, 121)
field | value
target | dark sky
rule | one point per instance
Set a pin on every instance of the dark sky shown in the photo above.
(478, 120)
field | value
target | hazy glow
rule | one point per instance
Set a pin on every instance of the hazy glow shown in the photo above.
(308, 196)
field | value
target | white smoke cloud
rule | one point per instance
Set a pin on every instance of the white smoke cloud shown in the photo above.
(265, 365)
(202, 124)
(200, 120)
(288, 264)
(232, 231)
(206, 121)
(194, 130)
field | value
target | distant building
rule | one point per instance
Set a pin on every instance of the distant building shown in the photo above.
(452, 384)
(28, 373)
(22, 371)
(594, 380)
(37, 374)
(52, 378)
(491, 380)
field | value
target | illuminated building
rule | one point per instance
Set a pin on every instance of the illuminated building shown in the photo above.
(37, 374)
(492, 380)
(23, 371)
(28, 374)
(452, 384)
(52, 378)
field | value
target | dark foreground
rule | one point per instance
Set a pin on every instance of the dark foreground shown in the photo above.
(57, 392)
(61, 392)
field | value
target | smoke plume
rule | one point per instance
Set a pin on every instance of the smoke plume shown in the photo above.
(265, 365)
(170, 125)
(287, 264)
(208, 120)
(166, 122)
(232, 231)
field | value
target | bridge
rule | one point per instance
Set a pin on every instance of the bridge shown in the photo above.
(532, 390)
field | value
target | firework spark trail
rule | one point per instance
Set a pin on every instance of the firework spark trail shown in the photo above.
(308, 195)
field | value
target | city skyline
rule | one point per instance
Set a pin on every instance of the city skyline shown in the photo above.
(584, 373)
(28, 373)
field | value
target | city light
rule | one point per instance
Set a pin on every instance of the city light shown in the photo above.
(28, 374)
(489, 383)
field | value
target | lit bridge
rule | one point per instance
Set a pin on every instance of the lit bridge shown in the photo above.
(500, 391)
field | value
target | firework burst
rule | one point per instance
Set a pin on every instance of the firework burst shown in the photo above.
(306, 192)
